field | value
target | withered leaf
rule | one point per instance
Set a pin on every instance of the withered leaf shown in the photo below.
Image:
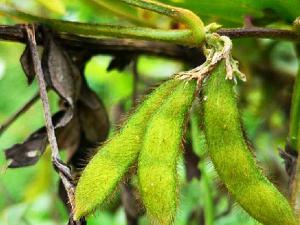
(88, 97)
(94, 127)
(121, 61)
(131, 203)
(66, 118)
(27, 65)
(92, 116)
(29, 152)
(68, 137)
(94, 123)
(192, 161)
(61, 75)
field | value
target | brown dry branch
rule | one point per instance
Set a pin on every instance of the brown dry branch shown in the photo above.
(104, 45)
(111, 45)
(64, 171)
(16, 115)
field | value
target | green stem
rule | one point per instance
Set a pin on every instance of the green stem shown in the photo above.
(294, 137)
(199, 145)
(183, 37)
(182, 15)
(294, 132)
(122, 10)
(208, 199)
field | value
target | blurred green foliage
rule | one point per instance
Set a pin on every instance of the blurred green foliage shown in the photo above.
(29, 195)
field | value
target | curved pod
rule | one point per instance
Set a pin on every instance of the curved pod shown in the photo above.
(233, 159)
(158, 158)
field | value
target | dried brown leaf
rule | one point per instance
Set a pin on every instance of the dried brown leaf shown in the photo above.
(29, 152)
(93, 117)
(62, 75)
(27, 65)
(121, 61)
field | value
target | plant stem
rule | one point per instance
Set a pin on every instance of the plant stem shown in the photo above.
(294, 131)
(208, 200)
(260, 32)
(182, 15)
(199, 145)
(16, 115)
(64, 171)
(294, 141)
(183, 37)
(122, 10)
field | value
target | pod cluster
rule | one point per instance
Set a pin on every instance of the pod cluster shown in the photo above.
(151, 141)
(151, 138)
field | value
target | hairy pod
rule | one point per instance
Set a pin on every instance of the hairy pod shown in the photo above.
(158, 158)
(232, 158)
(107, 168)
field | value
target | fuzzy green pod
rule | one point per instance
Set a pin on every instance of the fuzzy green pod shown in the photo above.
(158, 158)
(232, 158)
(107, 168)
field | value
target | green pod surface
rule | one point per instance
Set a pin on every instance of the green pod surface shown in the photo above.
(106, 169)
(232, 158)
(158, 158)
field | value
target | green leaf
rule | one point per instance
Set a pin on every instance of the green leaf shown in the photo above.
(233, 11)
(56, 6)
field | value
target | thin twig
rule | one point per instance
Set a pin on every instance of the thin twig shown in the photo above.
(135, 82)
(294, 141)
(8, 199)
(63, 170)
(260, 32)
(131, 204)
(15, 116)
(24, 219)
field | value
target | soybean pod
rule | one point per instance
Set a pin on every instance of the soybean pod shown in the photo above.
(232, 158)
(106, 169)
(158, 158)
